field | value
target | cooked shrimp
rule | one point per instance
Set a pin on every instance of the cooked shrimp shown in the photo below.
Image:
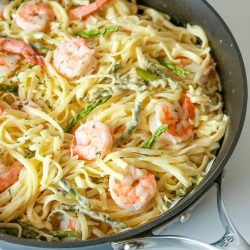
(178, 117)
(74, 59)
(194, 67)
(2, 110)
(33, 16)
(8, 63)
(93, 140)
(84, 11)
(9, 46)
(9, 176)
(134, 191)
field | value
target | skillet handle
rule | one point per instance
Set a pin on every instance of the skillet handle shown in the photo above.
(232, 240)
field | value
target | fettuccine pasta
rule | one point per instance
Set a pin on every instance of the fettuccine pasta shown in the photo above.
(109, 115)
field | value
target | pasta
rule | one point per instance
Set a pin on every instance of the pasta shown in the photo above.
(129, 62)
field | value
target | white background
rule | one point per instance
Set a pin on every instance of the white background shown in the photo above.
(204, 223)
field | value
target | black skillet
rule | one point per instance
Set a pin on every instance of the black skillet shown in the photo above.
(233, 76)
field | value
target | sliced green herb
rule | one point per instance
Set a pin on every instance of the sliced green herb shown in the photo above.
(116, 67)
(98, 153)
(85, 112)
(102, 32)
(175, 69)
(195, 86)
(8, 88)
(29, 153)
(162, 129)
(145, 75)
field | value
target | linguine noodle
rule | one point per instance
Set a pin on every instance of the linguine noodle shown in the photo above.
(36, 137)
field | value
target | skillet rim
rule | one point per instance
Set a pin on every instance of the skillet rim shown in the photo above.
(186, 202)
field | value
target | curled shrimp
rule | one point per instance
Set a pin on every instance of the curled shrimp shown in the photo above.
(33, 16)
(74, 59)
(177, 116)
(83, 11)
(136, 189)
(9, 176)
(11, 50)
(93, 140)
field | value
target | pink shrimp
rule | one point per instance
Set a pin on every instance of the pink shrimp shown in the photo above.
(11, 46)
(93, 140)
(134, 191)
(33, 16)
(178, 118)
(2, 110)
(83, 11)
(9, 176)
(74, 59)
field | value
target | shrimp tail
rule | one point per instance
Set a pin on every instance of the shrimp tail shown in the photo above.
(38, 60)
(32, 56)
(19, 47)
(84, 11)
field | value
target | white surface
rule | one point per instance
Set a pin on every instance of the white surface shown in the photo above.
(204, 223)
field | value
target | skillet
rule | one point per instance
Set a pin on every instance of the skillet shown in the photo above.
(232, 72)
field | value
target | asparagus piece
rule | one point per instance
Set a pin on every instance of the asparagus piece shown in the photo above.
(30, 232)
(10, 231)
(85, 207)
(95, 215)
(175, 69)
(79, 198)
(183, 191)
(102, 32)
(85, 112)
(8, 88)
(162, 129)
(145, 75)
(134, 121)
(71, 235)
